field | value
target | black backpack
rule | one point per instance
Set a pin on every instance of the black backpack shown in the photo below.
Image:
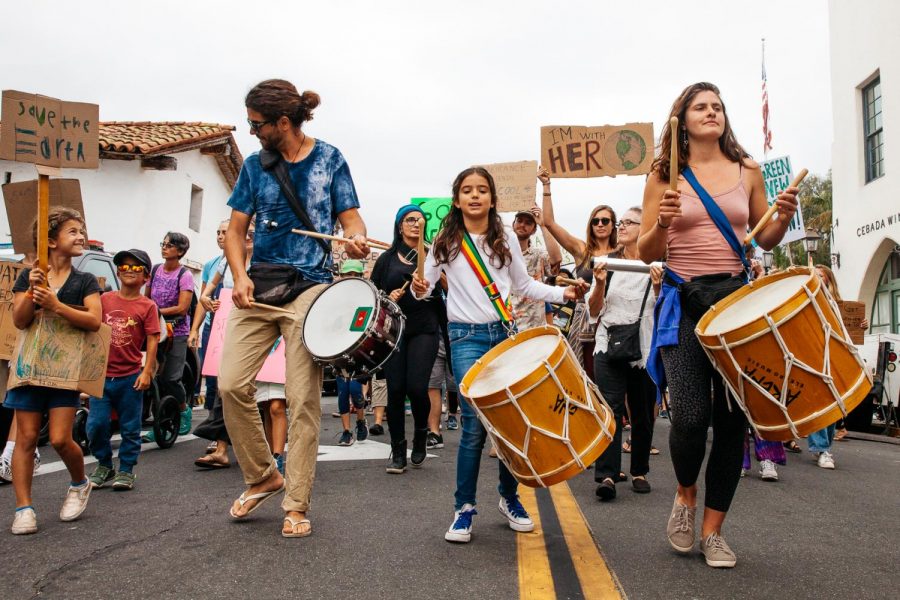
(191, 310)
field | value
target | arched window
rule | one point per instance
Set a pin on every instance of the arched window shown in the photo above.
(886, 308)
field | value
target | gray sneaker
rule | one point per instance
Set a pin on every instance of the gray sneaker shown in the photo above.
(680, 529)
(101, 476)
(75, 502)
(716, 551)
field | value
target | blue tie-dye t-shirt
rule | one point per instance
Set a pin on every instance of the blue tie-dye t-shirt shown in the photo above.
(325, 189)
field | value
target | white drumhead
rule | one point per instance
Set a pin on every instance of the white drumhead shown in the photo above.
(513, 365)
(759, 302)
(338, 317)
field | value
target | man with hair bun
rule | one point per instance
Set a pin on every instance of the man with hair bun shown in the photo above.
(321, 179)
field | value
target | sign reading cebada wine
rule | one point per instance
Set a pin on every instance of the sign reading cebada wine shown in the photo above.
(46, 131)
(605, 151)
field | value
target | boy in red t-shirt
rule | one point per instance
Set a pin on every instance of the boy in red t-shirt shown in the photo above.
(134, 318)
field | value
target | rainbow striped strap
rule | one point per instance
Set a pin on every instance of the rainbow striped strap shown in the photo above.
(473, 257)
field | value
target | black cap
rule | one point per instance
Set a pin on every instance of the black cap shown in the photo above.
(139, 255)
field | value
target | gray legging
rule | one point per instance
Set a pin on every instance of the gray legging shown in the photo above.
(173, 369)
(696, 397)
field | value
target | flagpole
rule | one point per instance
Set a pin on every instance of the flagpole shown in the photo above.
(765, 105)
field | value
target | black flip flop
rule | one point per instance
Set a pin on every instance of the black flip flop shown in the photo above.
(211, 465)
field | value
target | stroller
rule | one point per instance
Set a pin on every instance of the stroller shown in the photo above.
(161, 412)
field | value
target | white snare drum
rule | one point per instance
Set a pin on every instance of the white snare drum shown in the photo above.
(353, 327)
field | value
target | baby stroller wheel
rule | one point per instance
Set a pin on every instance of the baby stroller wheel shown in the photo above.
(79, 431)
(166, 421)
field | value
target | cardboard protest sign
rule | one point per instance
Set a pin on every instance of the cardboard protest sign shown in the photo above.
(339, 255)
(434, 209)
(853, 314)
(52, 353)
(515, 183)
(46, 131)
(777, 175)
(609, 150)
(272, 371)
(21, 207)
(9, 271)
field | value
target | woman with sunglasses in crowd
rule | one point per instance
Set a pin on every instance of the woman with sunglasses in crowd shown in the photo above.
(171, 286)
(618, 301)
(408, 369)
(600, 239)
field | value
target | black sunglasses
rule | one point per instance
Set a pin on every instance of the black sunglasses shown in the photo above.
(598, 220)
(257, 125)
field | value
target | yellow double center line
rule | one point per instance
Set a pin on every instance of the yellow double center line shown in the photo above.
(546, 561)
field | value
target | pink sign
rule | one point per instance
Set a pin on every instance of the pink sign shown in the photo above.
(272, 370)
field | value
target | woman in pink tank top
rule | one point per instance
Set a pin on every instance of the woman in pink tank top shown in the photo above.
(677, 226)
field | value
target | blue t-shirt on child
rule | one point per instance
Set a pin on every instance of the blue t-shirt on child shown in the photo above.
(324, 187)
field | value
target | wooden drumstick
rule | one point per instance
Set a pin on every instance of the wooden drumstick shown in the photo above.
(337, 238)
(767, 218)
(565, 281)
(420, 266)
(673, 155)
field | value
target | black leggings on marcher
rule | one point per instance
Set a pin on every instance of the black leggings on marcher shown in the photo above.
(620, 383)
(407, 373)
(691, 377)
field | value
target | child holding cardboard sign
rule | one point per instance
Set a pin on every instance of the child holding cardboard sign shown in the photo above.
(57, 291)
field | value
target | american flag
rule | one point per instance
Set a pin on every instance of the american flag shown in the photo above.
(767, 135)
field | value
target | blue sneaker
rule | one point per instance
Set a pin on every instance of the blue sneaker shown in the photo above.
(148, 437)
(452, 423)
(185, 425)
(279, 463)
(461, 529)
(516, 514)
(346, 438)
(362, 430)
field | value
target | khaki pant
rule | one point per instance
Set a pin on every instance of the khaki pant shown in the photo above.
(249, 337)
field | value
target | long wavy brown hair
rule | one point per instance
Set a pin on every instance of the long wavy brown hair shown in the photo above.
(727, 143)
(592, 244)
(449, 238)
(830, 281)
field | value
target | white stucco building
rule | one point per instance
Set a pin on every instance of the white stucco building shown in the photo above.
(153, 178)
(865, 91)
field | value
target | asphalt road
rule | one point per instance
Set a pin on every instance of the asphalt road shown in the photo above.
(813, 534)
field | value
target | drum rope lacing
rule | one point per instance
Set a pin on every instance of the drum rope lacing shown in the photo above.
(512, 398)
(791, 361)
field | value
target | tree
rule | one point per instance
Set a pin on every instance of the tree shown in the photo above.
(815, 202)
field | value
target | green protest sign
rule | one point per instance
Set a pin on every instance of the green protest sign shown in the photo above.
(777, 175)
(434, 209)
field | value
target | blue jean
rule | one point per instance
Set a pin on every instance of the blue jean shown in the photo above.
(468, 343)
(348, 389)
(820, 441)
(118, 394)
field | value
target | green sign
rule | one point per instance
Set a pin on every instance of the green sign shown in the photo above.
(434, 209)
(777, 175)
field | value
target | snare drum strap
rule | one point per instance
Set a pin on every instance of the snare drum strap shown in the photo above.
(473, 257)
(718, 217)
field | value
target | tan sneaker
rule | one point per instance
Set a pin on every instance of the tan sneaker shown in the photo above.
(25, 522)
(717, 552)
(75, 502)
(680, 529)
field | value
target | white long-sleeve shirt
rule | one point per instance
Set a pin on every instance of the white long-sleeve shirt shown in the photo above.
(467, 302)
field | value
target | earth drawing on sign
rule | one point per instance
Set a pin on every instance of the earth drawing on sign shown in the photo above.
(626, 150)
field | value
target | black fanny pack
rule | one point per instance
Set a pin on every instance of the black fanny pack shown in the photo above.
(276, 284)
(703, 291)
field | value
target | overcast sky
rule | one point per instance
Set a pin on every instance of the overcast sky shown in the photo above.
(413, 92)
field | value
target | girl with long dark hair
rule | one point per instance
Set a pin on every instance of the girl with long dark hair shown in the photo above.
(478, 321)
